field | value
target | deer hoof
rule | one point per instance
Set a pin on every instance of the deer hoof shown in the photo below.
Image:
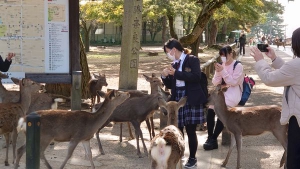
(6, 163)
(223, 164)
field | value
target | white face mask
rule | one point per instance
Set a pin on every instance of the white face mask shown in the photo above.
(223, 58)
(171, 57)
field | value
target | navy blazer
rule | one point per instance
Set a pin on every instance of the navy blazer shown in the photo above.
(4, 65)
(191, 75)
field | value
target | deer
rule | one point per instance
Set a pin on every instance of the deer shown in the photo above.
(134, 110)
(154, 83)
(96, 84)
(40, 101)
(168, 146)
(72, 126)
(133, 93)
(246, 121)
(11, 112)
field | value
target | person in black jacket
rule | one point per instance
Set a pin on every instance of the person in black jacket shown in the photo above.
(183, 78)
(242, 41)
(5, 64)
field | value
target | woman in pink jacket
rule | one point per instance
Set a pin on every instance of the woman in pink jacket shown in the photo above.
(286, 74)
(226, 75)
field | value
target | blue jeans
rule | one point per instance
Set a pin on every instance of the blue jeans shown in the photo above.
(293, 153)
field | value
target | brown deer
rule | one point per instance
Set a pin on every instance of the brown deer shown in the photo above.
(245, 121)
(73, 126)
(154, 83)
(168, 146)
(96, 84)
(39, 101)
(11, 112)
(134, 110)
(278, 43)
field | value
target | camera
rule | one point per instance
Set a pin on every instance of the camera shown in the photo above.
(263, 47)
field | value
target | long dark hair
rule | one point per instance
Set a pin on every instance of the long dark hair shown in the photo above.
(174, 43)
(296, 42)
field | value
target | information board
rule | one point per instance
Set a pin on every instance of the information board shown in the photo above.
(38, 32)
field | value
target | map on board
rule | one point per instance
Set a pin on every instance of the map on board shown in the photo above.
(56, 13)
(38, 32)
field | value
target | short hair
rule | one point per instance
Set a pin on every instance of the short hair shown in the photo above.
(296, 42)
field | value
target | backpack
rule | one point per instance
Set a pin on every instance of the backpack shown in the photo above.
(248, 84)
(204, 83)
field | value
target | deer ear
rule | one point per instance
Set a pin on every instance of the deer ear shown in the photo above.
(162, 103)
(100, 93)
(218, 87)
(3, 76)
(146, 77)
(15, 80)
(182, 101)
(23, 81)
(112, 94)
(224, 89)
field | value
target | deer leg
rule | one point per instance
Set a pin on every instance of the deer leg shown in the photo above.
(98, 138)
(7, 137)
(280, 134)
(72, 146)
(43, 145)
(121, 125)
(232, 144)
(130, 132)
(20, 153)
(238, 139)
(14, 142)
(148, 126)
(152, 126)
(98, 98)
(87, 147)
(139, 132)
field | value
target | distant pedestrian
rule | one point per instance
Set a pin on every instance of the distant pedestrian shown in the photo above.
(242, 41)
(286, 74)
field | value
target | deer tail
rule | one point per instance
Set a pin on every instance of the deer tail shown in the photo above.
(21, 125)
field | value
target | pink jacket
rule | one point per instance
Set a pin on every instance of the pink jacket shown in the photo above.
(286, 74)
(234, 79)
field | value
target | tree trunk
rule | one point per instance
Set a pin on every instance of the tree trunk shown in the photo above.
(93, 35)
(164, 29)
(65, 89)
(171, 26)
(87, 41)
(195, 47)
(213, 33)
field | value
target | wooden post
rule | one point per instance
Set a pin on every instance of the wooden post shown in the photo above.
(131, 28)
(33, 124)
(76, 91)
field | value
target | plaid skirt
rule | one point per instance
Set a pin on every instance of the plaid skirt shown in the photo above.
(189, 114)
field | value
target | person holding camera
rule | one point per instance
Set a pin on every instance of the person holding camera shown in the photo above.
(231, 77)
(183, 78)
(286, 74)
(5, 64)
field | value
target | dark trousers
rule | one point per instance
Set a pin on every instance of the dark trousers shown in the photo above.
(293, 152)
(242, 47)
(213, 132)
(192, 138)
